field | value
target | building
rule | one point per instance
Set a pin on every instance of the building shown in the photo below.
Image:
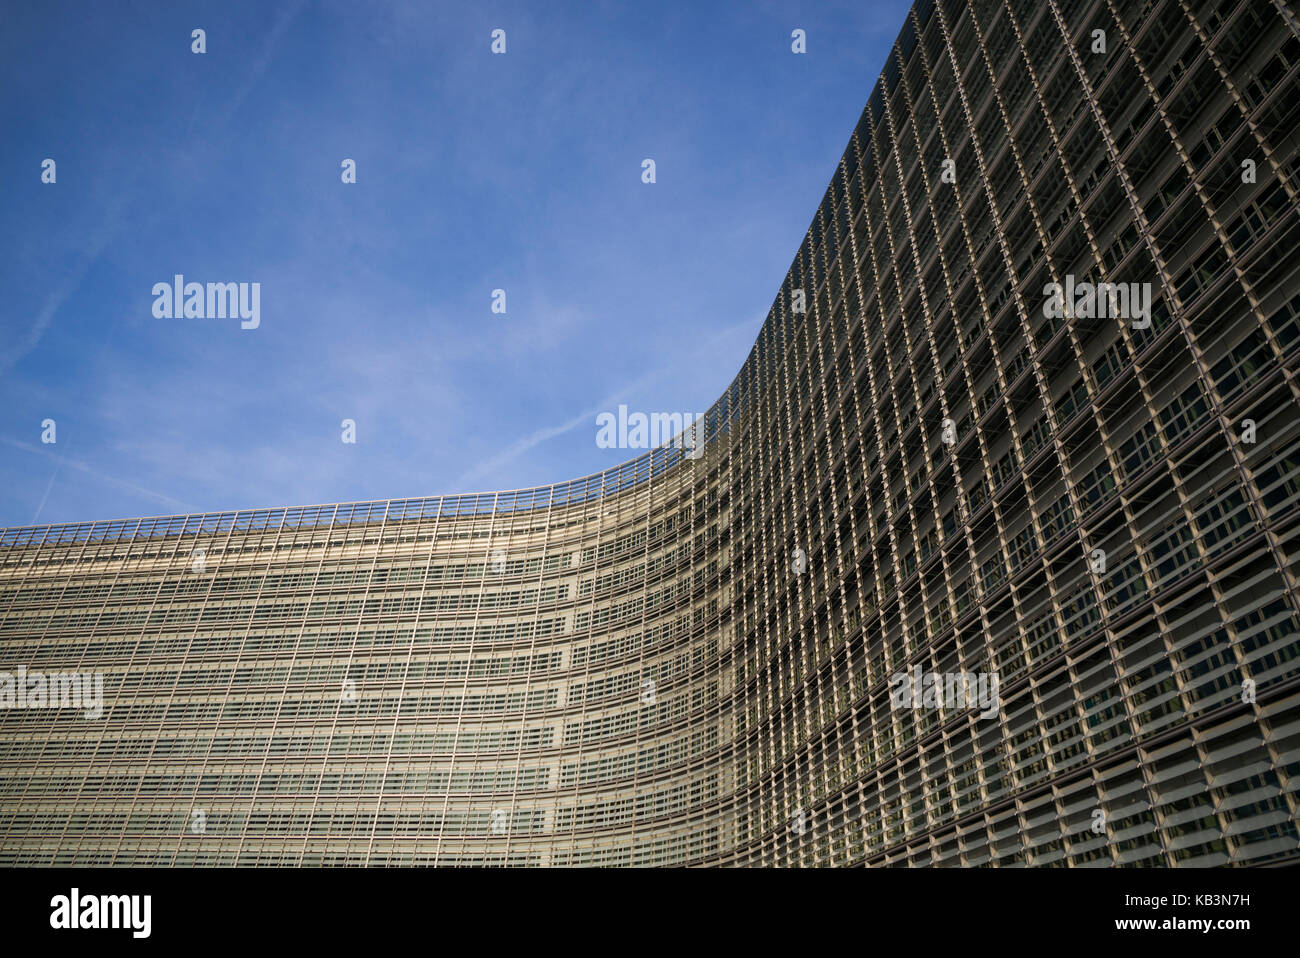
(933, 463)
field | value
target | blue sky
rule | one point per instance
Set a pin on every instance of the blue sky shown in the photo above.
(475, 172)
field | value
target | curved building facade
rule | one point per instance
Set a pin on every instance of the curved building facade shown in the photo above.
(979, 563)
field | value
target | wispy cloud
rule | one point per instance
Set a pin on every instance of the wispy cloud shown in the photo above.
(264, 56)
(65, 288)
(476, 172)
(123, 484)
(48, 486)
(587, 416)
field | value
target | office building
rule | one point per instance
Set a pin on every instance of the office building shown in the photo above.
(948, 454)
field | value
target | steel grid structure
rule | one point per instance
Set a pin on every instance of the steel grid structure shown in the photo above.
(689, 661)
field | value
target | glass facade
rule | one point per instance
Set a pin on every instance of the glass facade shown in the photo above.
(921, 467)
